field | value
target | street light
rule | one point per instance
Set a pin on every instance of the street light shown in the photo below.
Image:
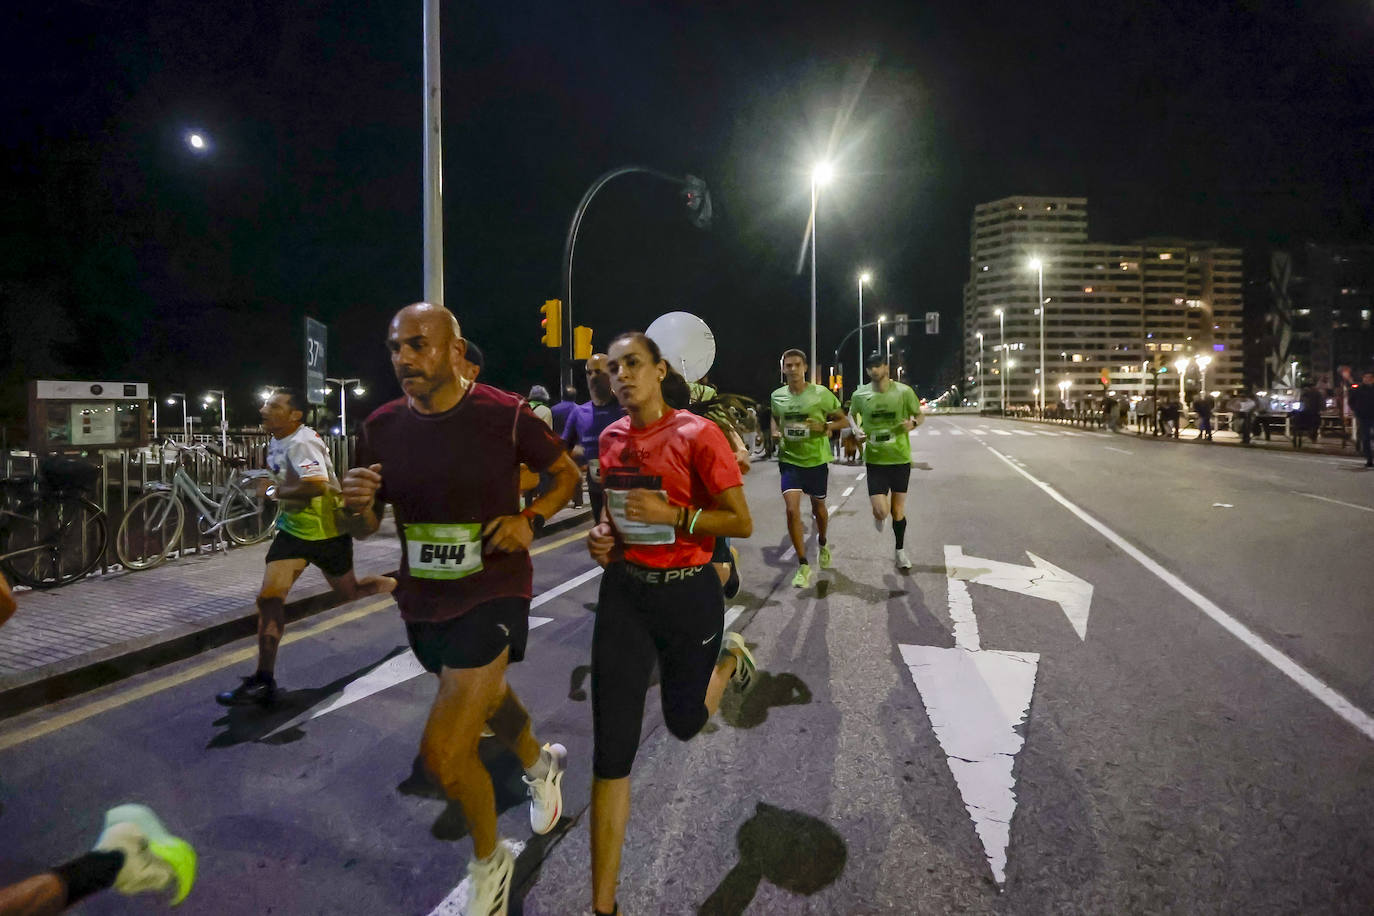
(223, 418)
(1203, 362)
(358, 391)
(821, 173)
(979, 335)
(889, 353)
(1002, 372)
(1181, 364)
(198, 142)
(1038, 266)
(171, 400)
(864, 277)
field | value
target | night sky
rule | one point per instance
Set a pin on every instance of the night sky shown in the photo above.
(127, 257)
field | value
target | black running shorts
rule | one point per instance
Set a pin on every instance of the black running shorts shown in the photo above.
(475, 639)
(334, 556)
(887, 478)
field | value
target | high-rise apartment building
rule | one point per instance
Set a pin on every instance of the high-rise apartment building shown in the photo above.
(1112, 311)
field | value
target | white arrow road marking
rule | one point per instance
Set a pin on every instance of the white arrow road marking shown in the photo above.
(961, 612)
(1044, 580)
(456, 903)
(975, 701)
(406, 666)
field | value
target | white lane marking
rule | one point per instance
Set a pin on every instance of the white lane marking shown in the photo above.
(862, 475)
(956, 432)
(1041, 432)
(1001, 432)
(847, 492)
(979, 432)
(406, 666)
(1043, 580)
(1324, 694)
(1113, 448)
(456, 903)
(1327, 499)
(975, 701)
(932, 432)
(1075, 435)
(1023, 432)
(568, 586)
(1222, 506)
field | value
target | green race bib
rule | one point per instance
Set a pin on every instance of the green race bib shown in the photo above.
(443, 551)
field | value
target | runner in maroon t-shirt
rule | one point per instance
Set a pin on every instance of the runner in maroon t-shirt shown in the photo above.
(446, 456)
(672, 487)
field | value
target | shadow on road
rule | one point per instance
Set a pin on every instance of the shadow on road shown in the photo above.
(254, 723)
(506, 773)
(770, 690)
(788, 849)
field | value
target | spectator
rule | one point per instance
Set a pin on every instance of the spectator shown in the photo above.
(539, 403)
(1204, 405)
(1242, 409)
(1169, 416)
(562, 409)
(472, 363)
(1362, 406)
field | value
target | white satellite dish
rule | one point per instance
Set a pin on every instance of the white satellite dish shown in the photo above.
(685, 342)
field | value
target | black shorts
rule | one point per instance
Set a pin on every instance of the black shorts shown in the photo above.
(887, 478)
(813, 481)
(334, 556)
(475, 639)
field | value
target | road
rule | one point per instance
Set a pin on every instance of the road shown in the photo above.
(1124, 675)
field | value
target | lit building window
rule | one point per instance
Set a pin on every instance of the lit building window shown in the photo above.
(1087, 289)
(1165, 256)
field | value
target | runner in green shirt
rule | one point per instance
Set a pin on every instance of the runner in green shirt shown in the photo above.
(803, 417)
(887, 411)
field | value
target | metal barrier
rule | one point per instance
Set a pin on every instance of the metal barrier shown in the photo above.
(125, 474)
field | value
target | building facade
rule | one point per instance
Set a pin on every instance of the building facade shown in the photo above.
(1112, 312)
(1317, 314)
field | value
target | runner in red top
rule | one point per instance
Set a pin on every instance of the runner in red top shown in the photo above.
(446, 456)
(672, 487)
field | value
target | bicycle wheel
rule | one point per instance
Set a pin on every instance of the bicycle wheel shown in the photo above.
(63, 539)
(150, 530)
(251, 516)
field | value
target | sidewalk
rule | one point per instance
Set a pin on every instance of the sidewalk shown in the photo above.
(66, 641)
(1279, 442)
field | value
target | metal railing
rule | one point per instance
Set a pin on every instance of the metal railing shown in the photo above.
(125, 474)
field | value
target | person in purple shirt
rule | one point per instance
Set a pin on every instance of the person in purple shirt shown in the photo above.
(562, 409)
(585, 423)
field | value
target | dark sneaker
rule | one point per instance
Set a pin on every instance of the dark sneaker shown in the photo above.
(253, 691)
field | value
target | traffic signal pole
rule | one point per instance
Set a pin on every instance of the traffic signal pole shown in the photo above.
(698, 202)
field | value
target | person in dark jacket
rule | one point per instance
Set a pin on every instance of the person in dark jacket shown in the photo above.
(1362, 406)
(1204, 405)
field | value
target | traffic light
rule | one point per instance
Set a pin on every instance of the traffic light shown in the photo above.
(552, 323)
(582, 342)
(698, 201)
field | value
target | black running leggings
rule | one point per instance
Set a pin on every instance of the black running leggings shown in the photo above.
(678, 623)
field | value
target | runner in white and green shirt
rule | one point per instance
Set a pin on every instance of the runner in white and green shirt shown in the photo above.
(886, 411)
(803, 417)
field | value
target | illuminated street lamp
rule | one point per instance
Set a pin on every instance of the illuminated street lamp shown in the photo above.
(889, 353)
(864, 277)
(223, 418)
(1202, 363)
(979, 335)
(1038, 266)
(1002, 346)
(358, 391)
(821, 174)
(1181, 364)
(171, 400)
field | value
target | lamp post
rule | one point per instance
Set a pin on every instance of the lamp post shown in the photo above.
(979, 335)
(1002, 368)
(889, 353)
(358, 391)
(1038, 266)
(821, 174)
(1181, 364)
(171, 400)
(1203, 362)
(223, 418)
(864, 277)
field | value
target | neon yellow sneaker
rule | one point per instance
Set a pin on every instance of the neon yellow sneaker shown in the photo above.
(803, 577)
(153, 858)
(825, 556)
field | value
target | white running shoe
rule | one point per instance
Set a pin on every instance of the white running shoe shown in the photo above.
(903, 561)
(489, 883)
(154, 860)
(546, 794)
(745, 668)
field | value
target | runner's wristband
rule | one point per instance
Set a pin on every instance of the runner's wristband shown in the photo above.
(534, 518)
(691, 529)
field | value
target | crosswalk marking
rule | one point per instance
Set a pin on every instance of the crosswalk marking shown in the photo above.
(1044, 433)
(1001, 432)
(956, 432)
(1023, 432)
(980, 432)
(932, 432)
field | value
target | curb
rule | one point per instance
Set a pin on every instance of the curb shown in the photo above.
(82, 673)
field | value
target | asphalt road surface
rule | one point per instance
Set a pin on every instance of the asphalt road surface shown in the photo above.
(1124, 676)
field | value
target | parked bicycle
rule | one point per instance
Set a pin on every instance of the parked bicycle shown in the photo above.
(52, 534)
(151, 528)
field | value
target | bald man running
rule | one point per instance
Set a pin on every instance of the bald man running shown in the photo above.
(583, 433)
(465, 578)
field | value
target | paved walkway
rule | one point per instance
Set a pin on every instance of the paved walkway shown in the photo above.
(65, 640)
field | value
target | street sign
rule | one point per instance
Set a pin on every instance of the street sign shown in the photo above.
(899, 328)
(316, 348)
(932, 322)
